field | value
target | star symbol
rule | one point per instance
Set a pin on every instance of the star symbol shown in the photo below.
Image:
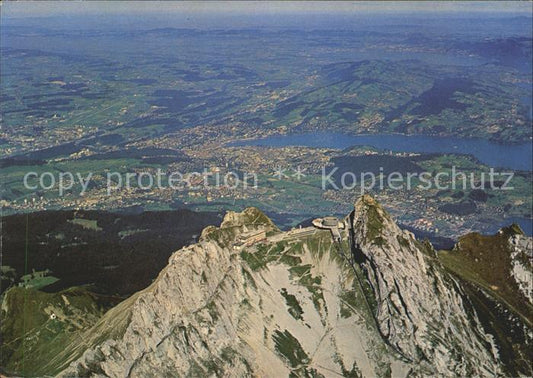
(279, 173)
(299, 173)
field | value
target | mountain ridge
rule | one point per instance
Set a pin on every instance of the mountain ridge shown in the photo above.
(251, 300)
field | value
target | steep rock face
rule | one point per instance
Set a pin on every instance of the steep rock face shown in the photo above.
(495, 272)
(291, 303)
(521, 248)
(420, 310)
(187, 319)
(286, 305)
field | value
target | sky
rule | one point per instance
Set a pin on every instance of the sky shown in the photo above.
(16, 9)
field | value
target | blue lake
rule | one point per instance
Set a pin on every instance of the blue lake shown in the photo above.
(518, 157)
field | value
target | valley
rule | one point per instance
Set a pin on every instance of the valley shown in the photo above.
(266, 189)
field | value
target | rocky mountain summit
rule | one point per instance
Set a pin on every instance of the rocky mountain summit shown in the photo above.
(251, 300)
(420, 310)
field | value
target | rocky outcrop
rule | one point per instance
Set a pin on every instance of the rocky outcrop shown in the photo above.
(295, 303)
(420, 310)
(285, 306)
(521, 248)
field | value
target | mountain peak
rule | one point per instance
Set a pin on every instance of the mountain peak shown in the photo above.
(250, 216)
(238, 223)
(372, 222)
(242, 301)
(418, 307)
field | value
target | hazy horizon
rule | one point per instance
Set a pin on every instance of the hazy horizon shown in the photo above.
(20, 9)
